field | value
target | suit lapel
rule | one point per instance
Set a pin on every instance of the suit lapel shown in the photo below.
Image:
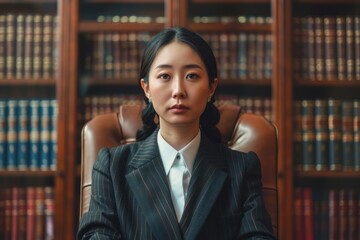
(207, 181)
(149, 185)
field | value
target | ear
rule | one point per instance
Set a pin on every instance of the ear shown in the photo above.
(145, 87)
(213, 86)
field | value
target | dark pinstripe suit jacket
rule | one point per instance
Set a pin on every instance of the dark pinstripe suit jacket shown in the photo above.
(131, 197)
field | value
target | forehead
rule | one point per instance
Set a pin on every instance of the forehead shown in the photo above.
(177, 53)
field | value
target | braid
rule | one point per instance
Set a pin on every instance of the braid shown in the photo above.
(149, 125)
(208, 121)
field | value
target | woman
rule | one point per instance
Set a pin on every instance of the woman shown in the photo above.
(178, 181)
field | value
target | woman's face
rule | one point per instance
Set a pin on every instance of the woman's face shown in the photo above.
(178, 86)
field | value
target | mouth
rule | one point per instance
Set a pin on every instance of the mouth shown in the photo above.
(179, 107)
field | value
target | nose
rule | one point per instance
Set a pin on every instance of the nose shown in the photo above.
(179, 88)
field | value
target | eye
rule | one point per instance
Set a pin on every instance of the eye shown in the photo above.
(164, 76)
(192, 76)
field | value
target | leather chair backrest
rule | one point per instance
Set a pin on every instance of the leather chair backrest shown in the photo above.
(241, 131)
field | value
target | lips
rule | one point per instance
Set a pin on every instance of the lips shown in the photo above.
(179, 106)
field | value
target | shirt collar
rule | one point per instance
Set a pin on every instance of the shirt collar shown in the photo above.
(187, 153)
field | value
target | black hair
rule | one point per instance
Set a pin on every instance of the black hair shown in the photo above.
(211, 116)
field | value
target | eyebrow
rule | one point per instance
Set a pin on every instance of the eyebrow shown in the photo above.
(186, 66)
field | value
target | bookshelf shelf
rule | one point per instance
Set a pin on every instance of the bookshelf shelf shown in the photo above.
(26, 1)
(92, 26)
(109, 82)
(231, 1)
(27, 82)
(233, 27)
(122, 1)
(329, 174)
(27, 173)
(327, 1)
(328, 83)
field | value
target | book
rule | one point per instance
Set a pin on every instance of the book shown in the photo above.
(30, 213)
(349, 46)
(23, 134)
(308, 134)
(20, 42)
(34, 134)
(310, 48)
(8, 212)
(356, 130)
(47, 46)
(53, 112)
(37, 46)
(49, 213)
(10, 45)
(335, 134)
(321, 135)
(2, 46)
(333, 227)
(297, 113)
(14, 213)
(343, 214)
(39, 213)
(28, 47)
(22, 213)
(45, 134)
(299, 214)
(55, 45)
(357, 46)
(242, 56)
(347, 135)
(319, 47)
(352, 214)
(330, 48)
(11, 136)
(3, 133)
(308, 213)
(340, 48)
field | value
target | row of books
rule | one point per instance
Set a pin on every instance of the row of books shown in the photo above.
(327, 134)
(27, 213)
(327, 214)
(130, 19)
(28, 46)
(28, 134)
(100, 104)
(233, 19)
(117, 55)
(327, 48)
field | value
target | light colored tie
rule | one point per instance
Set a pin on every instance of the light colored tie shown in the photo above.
(176, 177)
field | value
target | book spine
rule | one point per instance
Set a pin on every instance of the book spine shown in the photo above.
(340, 48)
(321, 135)
(28, 47)
(298, 136)
(356, 129)
(242, 56)
(347, 135)
(251, 66)
(23, 134)
(308, 134)
(37, 46)
(133, 55)
(333, 227)
(47, 46)
(2, 213)
(268, 56)
(324, 218)
(343, 210)
(11, 135)
(49, 213)
(39, 213)
(308, 214)
(352, 213)
(319, 48)
(108, 56)
(233, 55)
(335, 135)
(53, 134)
(14, 213)
(30, 213)
(3, 133)
(10, 46)
(8, 213)
(310, 27)
(34, 134)
(299, 214)
(357, 46)
(44, 134)
(2, 46)
(22, 213)
(55, 45)
(297, 49)
(349, 43)
(20, 40)
(330, 48)
(260, 51)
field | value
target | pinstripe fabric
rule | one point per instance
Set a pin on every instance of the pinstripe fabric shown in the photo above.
(131, 198)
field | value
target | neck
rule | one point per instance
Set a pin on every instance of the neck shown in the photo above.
(179, 137)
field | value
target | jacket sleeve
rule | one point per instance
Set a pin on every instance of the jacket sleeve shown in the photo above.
(101, 221)
(256, 222)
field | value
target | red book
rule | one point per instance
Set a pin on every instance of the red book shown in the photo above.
(30, 213)
(8, 206)
(333, 214)
(22, 214)
(308, 214)
(352, 215)
(343, 218)
(299, 217)
(14, 213)
(39, 213)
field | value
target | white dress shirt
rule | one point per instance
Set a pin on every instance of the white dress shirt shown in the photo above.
(186, 156)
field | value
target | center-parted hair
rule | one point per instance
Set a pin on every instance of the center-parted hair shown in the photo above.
(210, 117)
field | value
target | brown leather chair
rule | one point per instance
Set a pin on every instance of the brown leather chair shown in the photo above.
(241, 131)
